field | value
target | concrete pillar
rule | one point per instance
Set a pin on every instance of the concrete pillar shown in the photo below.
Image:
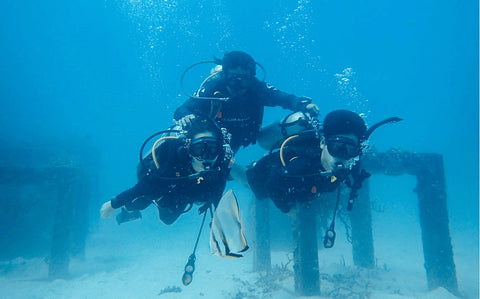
(432, 205)
(262, 257)
(305, 255)
(362, 235)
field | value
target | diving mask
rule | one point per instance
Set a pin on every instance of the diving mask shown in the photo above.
(343, 147)
(204, 148)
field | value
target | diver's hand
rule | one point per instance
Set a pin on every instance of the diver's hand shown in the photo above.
(312, 110)
(107, 210)
(186, 121)
(307, 107)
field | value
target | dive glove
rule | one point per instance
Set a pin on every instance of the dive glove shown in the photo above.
(186, 121)
(309, 107)
(312, 110)
(107, 210)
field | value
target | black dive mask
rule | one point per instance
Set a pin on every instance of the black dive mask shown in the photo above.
(343, 147)
(204, 148)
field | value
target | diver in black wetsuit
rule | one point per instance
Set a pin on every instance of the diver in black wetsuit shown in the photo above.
(183, 170)
(243, 98)
(313, 162)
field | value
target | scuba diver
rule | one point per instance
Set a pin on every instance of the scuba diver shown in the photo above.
(312, 162)
(186, 168)
(189, 167)
(236, 98)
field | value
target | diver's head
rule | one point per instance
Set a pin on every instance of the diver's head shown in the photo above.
(343, 134)
(239, 69)
(206, 143)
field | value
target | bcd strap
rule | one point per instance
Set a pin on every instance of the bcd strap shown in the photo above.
(215, 105)
(215, 108)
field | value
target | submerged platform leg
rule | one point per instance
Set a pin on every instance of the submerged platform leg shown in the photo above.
(262, 257)
(432, 204)
(64, 190)
(305, 255)
(54, 180)
(362, 235)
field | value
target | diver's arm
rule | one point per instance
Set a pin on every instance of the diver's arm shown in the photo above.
(198, 107)
(187, 108)
(127, 196)
(275, 97)
(148, 178)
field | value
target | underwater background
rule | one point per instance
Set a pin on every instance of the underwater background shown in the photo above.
(107, 73)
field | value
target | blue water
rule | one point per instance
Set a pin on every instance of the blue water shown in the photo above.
(108, 72)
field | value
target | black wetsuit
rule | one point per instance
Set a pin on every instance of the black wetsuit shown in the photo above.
(300, 180)
(241, 115)
(175, 184)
